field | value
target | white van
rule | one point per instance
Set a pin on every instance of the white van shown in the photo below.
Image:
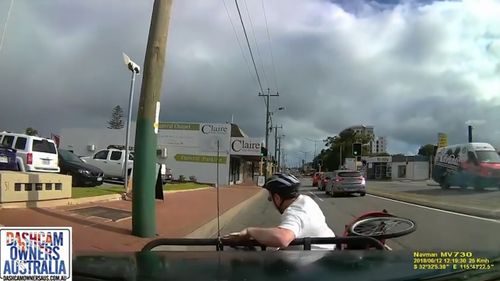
(34, 154)
(470, 164)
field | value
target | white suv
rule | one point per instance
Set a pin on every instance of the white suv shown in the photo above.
(34, 154)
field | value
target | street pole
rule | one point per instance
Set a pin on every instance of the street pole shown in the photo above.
(143, 201)
(340, 157)
(267, 124)
(127, 137)
(279, 153)
(276, 141)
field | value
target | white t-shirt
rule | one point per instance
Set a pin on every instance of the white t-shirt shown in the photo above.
(305, 219)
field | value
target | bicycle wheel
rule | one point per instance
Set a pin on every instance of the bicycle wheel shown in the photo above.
(383, 227)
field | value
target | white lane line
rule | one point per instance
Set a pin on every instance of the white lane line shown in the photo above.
(435, 209)
(310, 192)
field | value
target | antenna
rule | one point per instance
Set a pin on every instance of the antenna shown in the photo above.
(219, 242)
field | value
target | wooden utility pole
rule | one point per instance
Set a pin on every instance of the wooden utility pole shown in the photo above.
(144, 180)
(276, 141)
(267, 125)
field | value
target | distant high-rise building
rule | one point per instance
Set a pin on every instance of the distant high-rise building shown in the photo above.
(379, 145)
(369, 130)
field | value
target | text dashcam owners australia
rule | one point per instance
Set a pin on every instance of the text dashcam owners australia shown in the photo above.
(34, 253)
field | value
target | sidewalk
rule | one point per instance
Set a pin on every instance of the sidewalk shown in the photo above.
(179, 215)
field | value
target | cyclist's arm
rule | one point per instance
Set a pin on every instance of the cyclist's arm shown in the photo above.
(272, 237)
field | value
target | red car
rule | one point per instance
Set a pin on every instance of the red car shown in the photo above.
(325, 177)
(317, 178)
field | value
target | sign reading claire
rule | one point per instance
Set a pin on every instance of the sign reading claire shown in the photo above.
(35, 253)
(246, 146)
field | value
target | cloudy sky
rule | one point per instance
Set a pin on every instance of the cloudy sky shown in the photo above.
(409, 68)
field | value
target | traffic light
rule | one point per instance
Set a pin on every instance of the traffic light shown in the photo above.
(263, 151)
(356, 149)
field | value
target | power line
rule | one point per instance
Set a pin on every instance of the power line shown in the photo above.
(259, 56)
(249, 48)
(5, 26)
(239, 42)
(270, 48)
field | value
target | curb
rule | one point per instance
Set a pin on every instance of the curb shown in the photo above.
(78, 201)
(187, 190)
(210, 229)
(491, 214)
(60, 202)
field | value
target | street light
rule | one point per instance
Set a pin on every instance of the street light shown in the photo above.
(315, 150)
(135, 69)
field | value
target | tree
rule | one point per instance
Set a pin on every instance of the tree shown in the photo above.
(31, 131)
(426, 150)
(116, 121)
(342, 143)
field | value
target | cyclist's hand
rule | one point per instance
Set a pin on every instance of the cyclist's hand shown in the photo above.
(237, 237)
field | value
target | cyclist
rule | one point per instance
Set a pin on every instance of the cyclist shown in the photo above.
(300, 216)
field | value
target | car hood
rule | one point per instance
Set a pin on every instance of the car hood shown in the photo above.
(80, 165)
(270, 265)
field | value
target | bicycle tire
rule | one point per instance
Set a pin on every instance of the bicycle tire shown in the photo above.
(361, 227)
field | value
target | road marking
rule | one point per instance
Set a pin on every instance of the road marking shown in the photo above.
(313, 194)
(436, 209)
(388, 248)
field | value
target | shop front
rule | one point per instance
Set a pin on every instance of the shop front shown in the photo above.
(245, 156)
(379, 168)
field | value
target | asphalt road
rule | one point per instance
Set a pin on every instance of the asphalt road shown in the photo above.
(436, 229)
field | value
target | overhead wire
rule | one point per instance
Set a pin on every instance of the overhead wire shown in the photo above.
(270, 48)
(249, 49)
(239, 42)
(4, 31)
(259, 56)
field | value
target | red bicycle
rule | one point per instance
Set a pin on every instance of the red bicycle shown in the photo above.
(380, 225)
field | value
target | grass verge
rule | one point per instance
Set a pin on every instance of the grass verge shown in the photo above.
(183, 186)
(81, 192)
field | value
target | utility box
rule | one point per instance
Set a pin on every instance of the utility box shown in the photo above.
(24, 187)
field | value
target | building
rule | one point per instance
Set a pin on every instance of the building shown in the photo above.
(410, 167)
(369, 130)
(379, 145)
(212, 153)
(379, 167)
(397, 167)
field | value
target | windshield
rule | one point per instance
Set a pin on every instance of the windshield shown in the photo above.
(69, 156)
(371, 105)
(488, 156)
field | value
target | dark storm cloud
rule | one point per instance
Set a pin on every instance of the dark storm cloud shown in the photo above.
(409, 69)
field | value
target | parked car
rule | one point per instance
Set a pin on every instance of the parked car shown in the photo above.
(34, 154)
(346, 182)
(8, 159)
(111, 162)
(316, 178)
(325, 177)
(82, 174)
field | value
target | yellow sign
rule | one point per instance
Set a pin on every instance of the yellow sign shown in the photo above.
(442, 140)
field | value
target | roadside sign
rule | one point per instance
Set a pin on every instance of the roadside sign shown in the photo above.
(442, 140)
